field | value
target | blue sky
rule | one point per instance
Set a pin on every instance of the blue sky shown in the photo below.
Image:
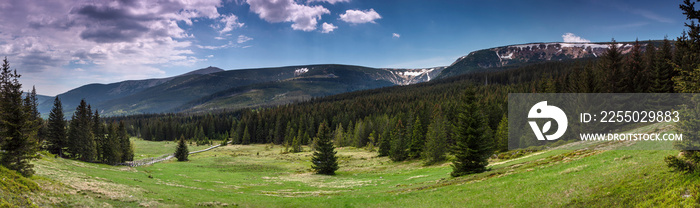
(60, 45)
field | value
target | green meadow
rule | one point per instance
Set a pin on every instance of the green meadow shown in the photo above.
(264, 176)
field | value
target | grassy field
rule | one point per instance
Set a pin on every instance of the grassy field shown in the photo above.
(260, 176)
(145, 149)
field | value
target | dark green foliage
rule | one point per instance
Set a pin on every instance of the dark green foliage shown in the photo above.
(436, 139)
(296, 143)
(18, 124)
(473, 147)
(688, 52)
(111, 149)
(81, 142)
(127, 150)
(501, 135)
(633, 69)
(324, 159)
(687, 80)
(662, 74)
(246, 137)
(384, 143)
(398, 143)
(181, 152)
(611, 64)
(417, 140)
(57, 129)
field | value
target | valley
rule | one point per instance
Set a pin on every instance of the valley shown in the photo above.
(260, 176)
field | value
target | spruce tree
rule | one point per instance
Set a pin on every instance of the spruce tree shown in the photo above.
(644, 84)
(687, 80)
(662, 80)
(126, 150)
(110, 146)
(472, 147)
(57, 128)
(436, 139)
(501, 137)
(80, 138)
(246, 137)
(687, 61)
(398, 143)
(417, 140)
(18, 126)
(339, 135)
(324, 159)
(610, 63)
(385, 142)
(633, 69)
(181, 152)
(99, 135)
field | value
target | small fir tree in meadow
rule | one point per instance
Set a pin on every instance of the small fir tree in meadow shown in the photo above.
(324, 159)
(181, 152)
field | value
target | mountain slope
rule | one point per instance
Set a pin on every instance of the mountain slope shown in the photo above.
(98, 93)
(530, 53)
(309, 81)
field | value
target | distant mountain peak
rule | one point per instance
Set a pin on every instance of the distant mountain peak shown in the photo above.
(208, 70)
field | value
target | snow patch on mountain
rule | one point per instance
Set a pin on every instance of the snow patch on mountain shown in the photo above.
(412, 76)
(300, 71)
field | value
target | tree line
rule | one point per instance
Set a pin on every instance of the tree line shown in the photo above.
(421, 121)
(86, 137)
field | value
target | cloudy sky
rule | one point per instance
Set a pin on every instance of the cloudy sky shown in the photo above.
(58, 45)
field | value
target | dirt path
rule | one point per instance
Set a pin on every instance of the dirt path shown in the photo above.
(152, 160)
(523, 157)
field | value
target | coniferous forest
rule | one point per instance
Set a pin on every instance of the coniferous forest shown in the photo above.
(460, 120)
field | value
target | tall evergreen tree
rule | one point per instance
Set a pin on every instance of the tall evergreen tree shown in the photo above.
(385, 142)
(18, 126)
(687, 80)
(80, 137)
(324, 159)
(633, 68)
(417, 140)
(125, 147)
(662, 79)
(645, 82)
(100, 138)
(501, 137)
(472, 147)
(436, 139)
(57, 129)
(610, 63)
(110, 146)
(398, 143)
(181, 152)
(246, 137)
(687, 63)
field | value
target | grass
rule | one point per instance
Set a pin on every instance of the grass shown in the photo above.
(260, 176)
(145, 149)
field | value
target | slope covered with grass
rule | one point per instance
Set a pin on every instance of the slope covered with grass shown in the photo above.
(261, 176)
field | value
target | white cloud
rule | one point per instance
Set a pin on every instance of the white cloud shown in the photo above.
(303, 17)
(359, 17)
(110, 40)
(328, 27)
(230, 23)
(328, 1)
(396, 35)
(243, 39)
(227, 45)
(210, 56)
(570, 37)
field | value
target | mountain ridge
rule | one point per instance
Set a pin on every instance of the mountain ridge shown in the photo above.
(213, 88)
